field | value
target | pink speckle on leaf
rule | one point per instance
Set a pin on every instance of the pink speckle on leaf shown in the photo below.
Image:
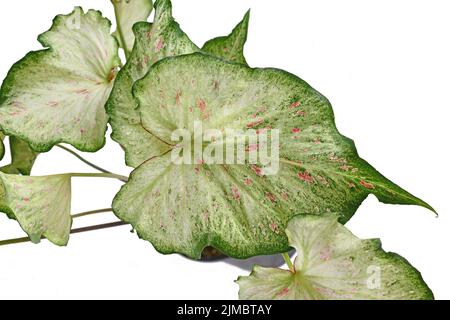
(26, 199)
(295, 104)
(257, 170)
(283, 292)
(236, 193)
(271, 197)
(273, 227)
(301, 113)
(254, 123)
(248, 182)
(305, 176)
(296, 130)
(262, 130)
(159, 45)
(201, 105)
(82, 130)
(252, 148)
(366, 184)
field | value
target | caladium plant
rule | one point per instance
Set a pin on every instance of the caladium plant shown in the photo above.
(332, 263)
(287, 168)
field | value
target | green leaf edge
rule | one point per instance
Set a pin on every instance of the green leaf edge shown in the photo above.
(269, 249)
(217, 42)
(8, 83)
(10, 214)
(406, 266)
(111, 103)
(2, 146)
(14, 167)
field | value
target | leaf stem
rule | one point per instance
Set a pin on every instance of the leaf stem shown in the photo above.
(120, 31)
(83, 159)
(90, 213)
(74, 231)
(288, 261)
(99, 175)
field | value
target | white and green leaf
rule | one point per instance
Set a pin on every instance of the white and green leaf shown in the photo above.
(156, 41)
(22, 157)
(184, 208)
(128, 12)
(333, 264)
(231, 47)
(41, 205)
(59, 94)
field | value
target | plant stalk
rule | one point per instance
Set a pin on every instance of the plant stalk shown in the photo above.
(90, 213)
(99, 175)
(74, 231)
(83, 159)
(288, 261)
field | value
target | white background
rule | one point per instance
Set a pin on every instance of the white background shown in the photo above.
(385, 66)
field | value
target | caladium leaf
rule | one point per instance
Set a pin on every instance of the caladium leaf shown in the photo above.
(153, 42)
(234, 207)
(2, 146)
(23, 157)
(41, 205)
(231, 47)
(333, 264)
(128, 12)
(58, 94)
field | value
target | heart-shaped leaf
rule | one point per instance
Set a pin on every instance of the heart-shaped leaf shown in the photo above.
(41, 205)
(333, 264)
(22, 158)
(153, 42)
(235, 207)
(128, 12)
(231, 47)
(58, 94)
